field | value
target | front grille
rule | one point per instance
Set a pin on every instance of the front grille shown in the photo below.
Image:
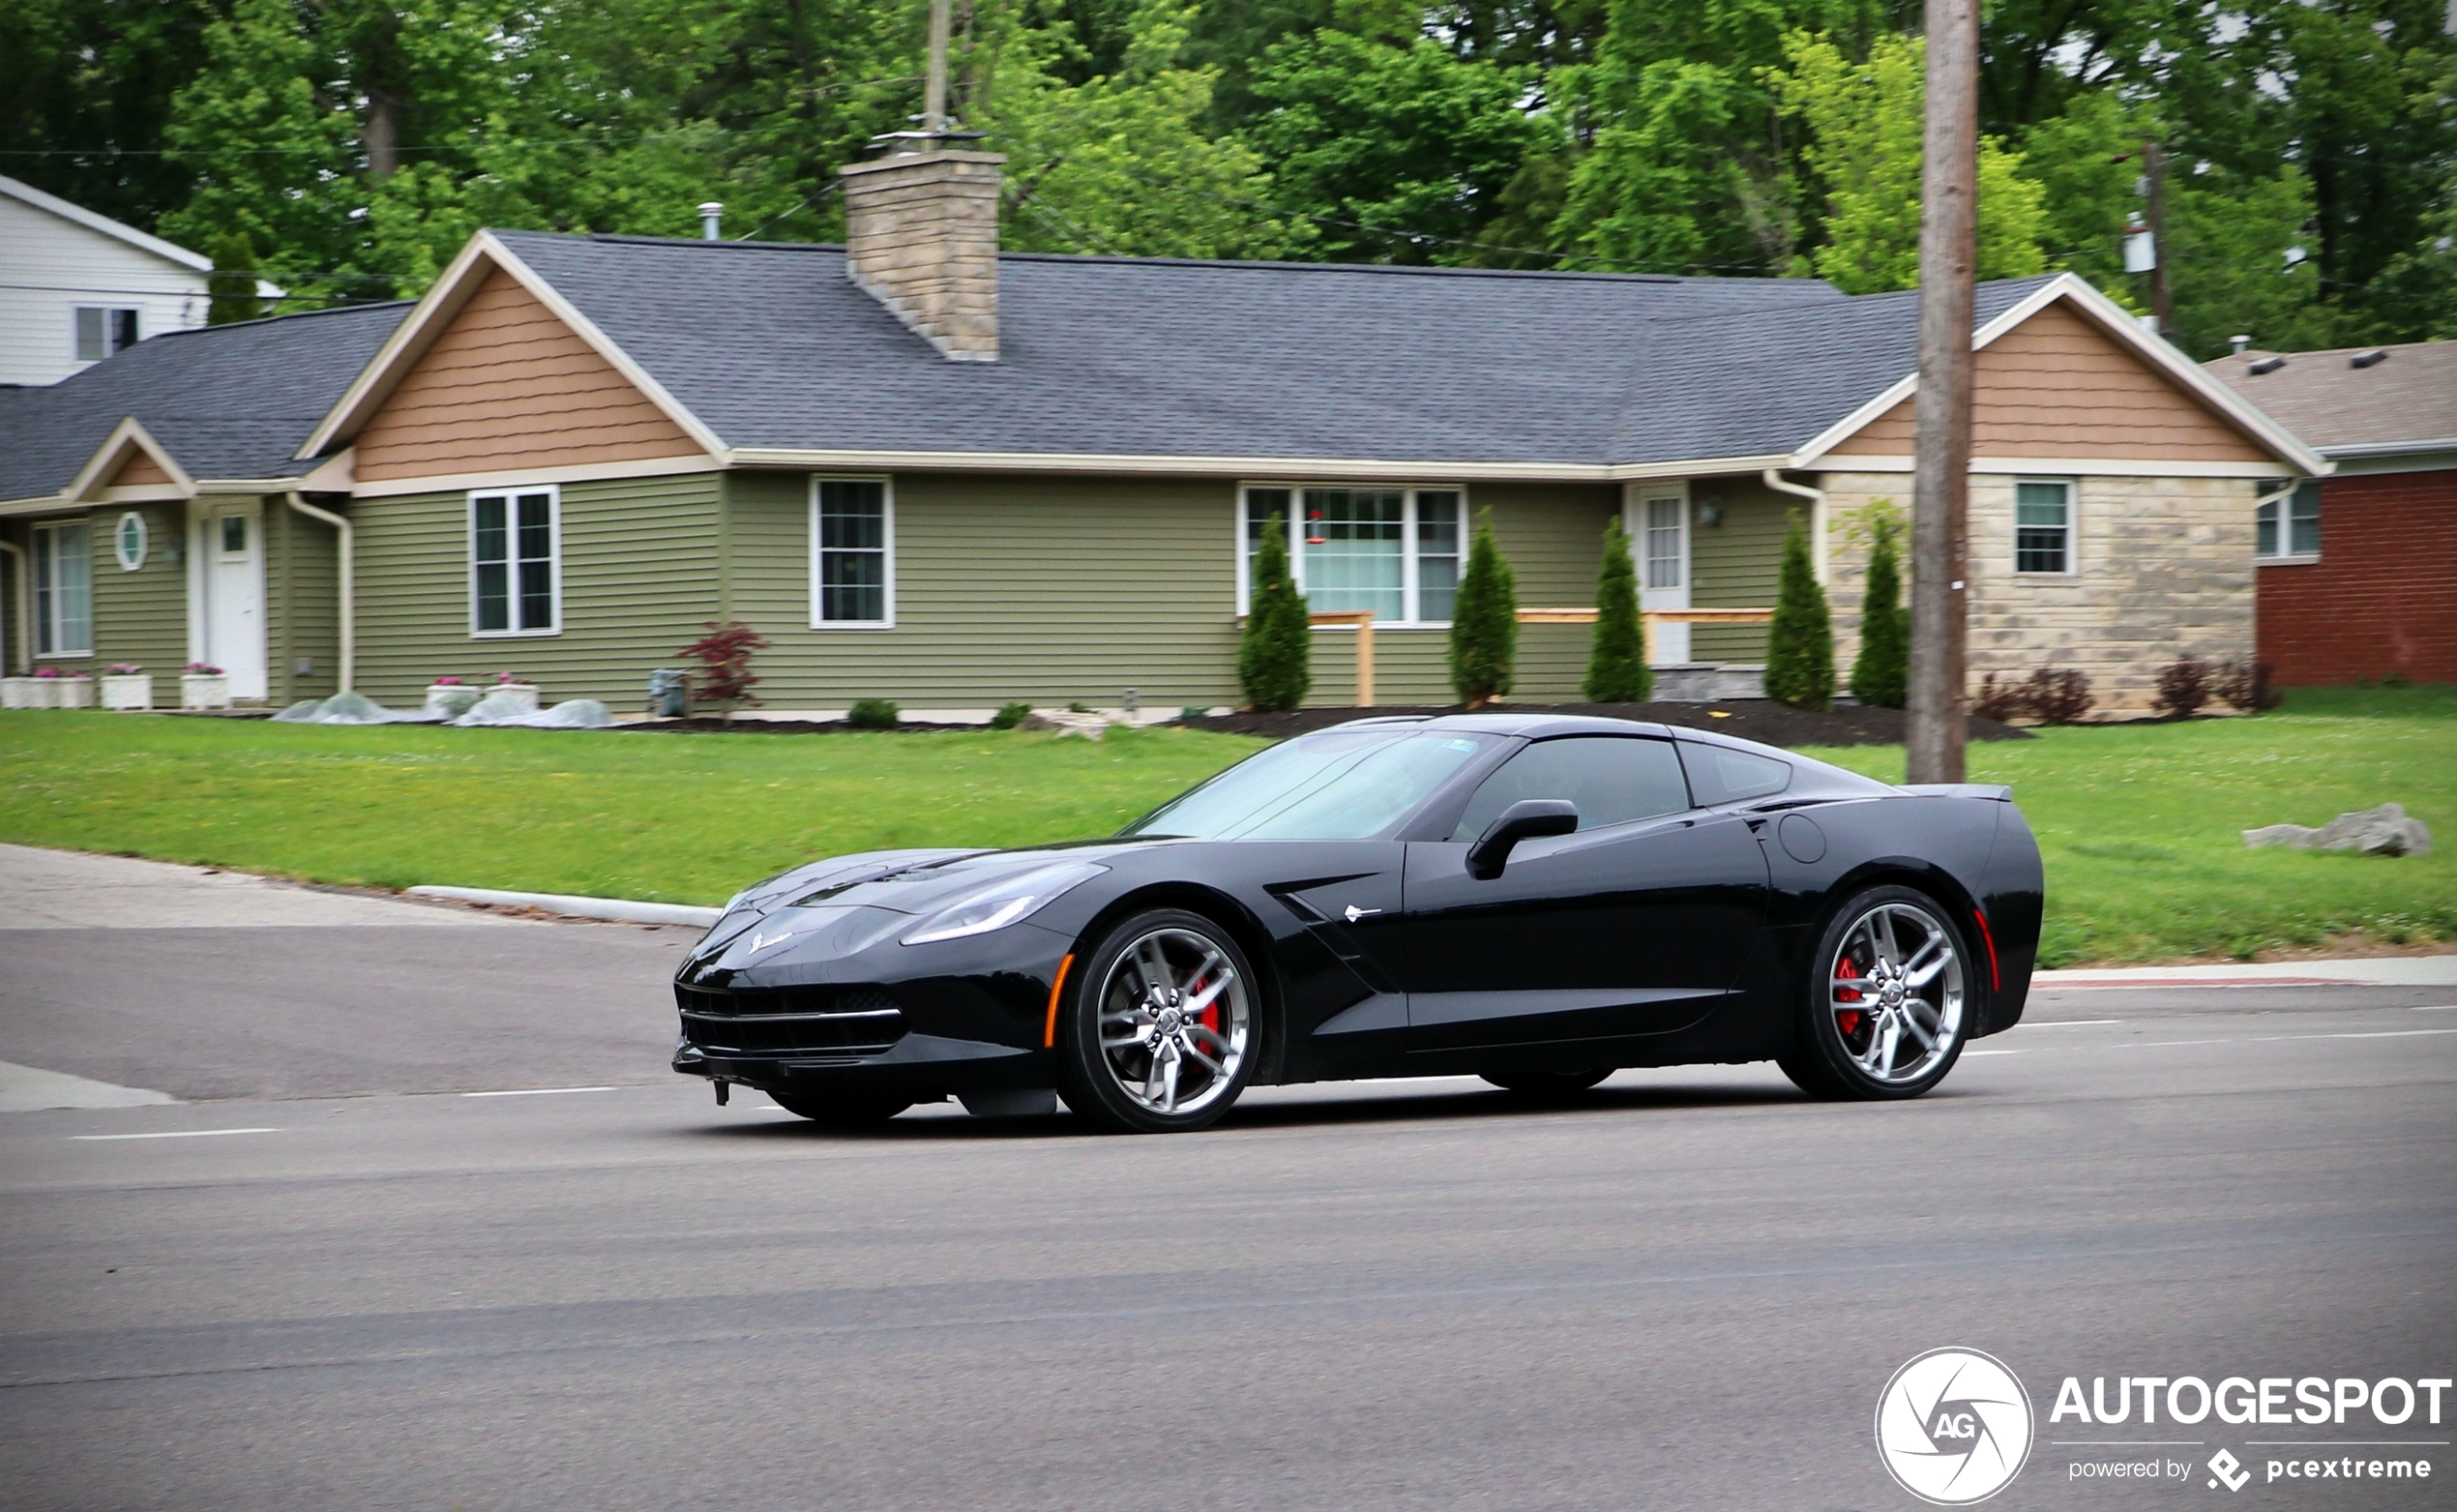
(832, 1021)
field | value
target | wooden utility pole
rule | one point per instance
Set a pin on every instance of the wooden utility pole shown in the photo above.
(1940, 478)
(934, 86)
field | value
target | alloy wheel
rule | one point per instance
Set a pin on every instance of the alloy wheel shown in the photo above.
(1175, 1022)
(1895, 993)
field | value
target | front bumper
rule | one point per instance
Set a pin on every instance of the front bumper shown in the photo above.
(847, 1007)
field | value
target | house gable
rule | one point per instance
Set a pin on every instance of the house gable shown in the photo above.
(141, 470)
(2057, 386)
(508, 385)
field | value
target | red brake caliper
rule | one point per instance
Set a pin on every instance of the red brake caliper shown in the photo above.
(1209, 1017)
(1848, 1020)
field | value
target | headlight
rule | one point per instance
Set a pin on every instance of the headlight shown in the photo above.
(1002, 902)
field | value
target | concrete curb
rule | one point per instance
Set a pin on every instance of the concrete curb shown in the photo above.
(613, 911)
(2367, 970)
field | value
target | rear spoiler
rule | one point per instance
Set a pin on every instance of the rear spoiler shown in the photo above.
(1997, 791)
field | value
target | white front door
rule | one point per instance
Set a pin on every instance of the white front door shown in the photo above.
(1659, 533)
(234, 597)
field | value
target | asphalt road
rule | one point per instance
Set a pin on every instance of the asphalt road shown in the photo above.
(1685, 1292)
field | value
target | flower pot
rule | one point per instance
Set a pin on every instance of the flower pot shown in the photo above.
(452, 699)
(526, 692)
(204, 690)
(73, 693)
(129, 690)
(21, 693)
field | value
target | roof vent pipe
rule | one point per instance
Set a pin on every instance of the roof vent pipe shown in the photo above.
(712, 219)
(2239, 343)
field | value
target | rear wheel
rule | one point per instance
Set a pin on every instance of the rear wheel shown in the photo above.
(1547, 1084)
(1884, 1008)
(1163, 1033)
(843, 1110)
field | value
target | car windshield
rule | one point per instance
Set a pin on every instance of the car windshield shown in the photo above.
(1338, 784)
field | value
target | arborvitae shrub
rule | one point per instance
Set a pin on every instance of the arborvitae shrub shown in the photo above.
(1616, 670)
(1881, 675)
(1275, 658)
(1800, 642)
(1484, 621)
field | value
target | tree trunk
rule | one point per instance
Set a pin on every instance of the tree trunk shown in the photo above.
(383, 135)
(1941, 496)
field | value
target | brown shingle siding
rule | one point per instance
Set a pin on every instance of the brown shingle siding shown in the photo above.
(509, 385)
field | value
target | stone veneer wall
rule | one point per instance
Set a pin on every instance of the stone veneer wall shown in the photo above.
(2165, 567)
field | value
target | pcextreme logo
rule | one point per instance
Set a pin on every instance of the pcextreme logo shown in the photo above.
(1954, 1427)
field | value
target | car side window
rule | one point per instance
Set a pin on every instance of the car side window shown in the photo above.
(1613, 778)
(1718, 774)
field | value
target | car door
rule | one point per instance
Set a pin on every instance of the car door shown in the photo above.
(1637, 922)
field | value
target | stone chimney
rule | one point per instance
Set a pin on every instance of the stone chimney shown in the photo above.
(920, 234)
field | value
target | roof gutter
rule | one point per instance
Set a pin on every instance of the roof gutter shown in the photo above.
(1773, 478)
(2361, 449)
(348, 602)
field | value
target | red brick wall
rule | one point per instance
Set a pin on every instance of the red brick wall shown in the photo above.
(2383, 598)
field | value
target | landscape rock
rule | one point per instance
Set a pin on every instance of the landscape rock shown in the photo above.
(1091, 727)
(2385, 831)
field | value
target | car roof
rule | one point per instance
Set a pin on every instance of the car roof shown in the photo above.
(1535, 724)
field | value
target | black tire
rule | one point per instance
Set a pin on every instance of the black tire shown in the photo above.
(1545, 1085)
(1834, 1046)
(1147, 1036)
(843, 1110)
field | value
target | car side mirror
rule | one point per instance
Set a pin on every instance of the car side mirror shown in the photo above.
(1525, 819)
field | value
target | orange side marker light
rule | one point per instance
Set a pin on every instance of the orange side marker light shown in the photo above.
(1049, 1035)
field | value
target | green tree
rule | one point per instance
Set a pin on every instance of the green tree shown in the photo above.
(2241, 262)
(1402, 150)
(1880, 673)
(1484, 621)
(1616, 668)
(1800, 642)
(1864, 122)
(1122, 162)
(1275, 654)
(232, 284)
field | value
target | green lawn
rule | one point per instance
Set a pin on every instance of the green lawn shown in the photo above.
(678, 819)
(2139, 822)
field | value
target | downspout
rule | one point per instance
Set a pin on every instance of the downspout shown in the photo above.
(349, 603)
(1773, 478)
(23, 641)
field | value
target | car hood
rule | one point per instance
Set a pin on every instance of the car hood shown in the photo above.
(899, 881)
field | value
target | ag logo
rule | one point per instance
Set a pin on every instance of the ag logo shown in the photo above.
(1954, 1427)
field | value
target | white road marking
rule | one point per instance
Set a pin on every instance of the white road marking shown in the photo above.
(174, 1134)
(2068, 1024)
(540, 1091)
(1969, 1052)
(2437, 1008)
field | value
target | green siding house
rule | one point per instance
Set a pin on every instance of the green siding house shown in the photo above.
(930, 472)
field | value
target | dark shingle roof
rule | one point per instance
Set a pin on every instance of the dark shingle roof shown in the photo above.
(772, 346)
(226, 401)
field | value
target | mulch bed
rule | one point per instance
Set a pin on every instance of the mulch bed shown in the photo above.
(1751, 718)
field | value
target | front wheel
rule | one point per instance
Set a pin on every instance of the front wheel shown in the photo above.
(1885, 1005)
(1163, 1033)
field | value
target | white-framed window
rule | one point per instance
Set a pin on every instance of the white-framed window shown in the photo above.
(2289, 529)
(2043, 525)
(63, 589)
(1665, 551)
(852, 553)
(516, 561)
(103, 333)
(1396, 551)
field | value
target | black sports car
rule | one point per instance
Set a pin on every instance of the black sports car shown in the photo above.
(1534, 899)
